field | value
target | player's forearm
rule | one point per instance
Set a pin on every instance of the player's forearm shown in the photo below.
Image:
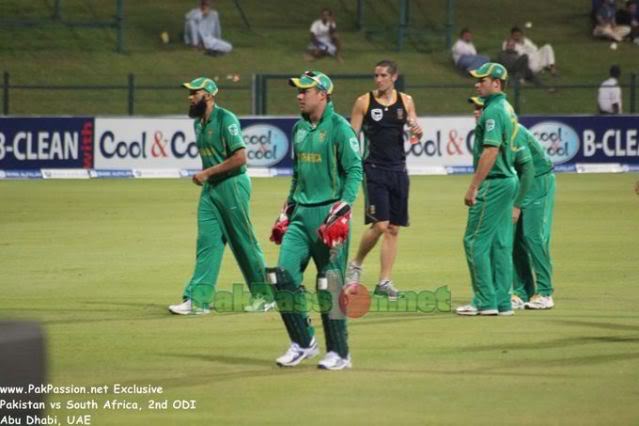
(234, 162)
(526, 178)
(485, 164)
(352, 182)
(356, 120)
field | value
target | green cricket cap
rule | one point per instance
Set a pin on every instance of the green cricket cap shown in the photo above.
(202, 83)
(476, 100)
(491, 69)
(312, 79)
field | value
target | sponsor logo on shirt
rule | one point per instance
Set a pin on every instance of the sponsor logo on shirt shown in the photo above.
(377, 114)
(234, 130)
(322, 135)
(490, 125)
(300, 135)
(310, 157)
(400, 113)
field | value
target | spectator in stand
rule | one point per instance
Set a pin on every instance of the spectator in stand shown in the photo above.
(606, 25)
(609, 95)
(630, 17)
(202, 29)
(324, 39)
(539, 58)
(464, 53)
(516, 64)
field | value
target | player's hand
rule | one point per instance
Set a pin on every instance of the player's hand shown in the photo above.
(415, 129)
(334, 230)
(281, 223)
(471, 196)
(516, 214)
(200, 177)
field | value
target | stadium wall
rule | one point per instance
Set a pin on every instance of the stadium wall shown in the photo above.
(164, 147)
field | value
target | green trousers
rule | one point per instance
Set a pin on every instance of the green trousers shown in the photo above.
(301, 244)
(223, 217)
(531, 249)
(488, 244)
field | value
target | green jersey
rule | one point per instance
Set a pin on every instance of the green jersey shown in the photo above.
(219, 138)
(495, 128)
(528, 146)
(327, 165)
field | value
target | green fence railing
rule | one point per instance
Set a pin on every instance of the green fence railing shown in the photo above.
(267, 93)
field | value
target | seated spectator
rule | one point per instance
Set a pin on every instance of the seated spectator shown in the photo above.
(324, 39)
(464, 53)
(630, 17)
(202, 29)
(609, 94)
(606, 26)
(539, 58)
(516, 64)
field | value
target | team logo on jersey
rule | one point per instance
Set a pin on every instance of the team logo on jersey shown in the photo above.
(300, 135)
(490, 125)
(354, 144)
(377, 114)
(234, 130)
(322, 135)
(400, 113)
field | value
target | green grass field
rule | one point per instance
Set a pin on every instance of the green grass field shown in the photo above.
(97, 262)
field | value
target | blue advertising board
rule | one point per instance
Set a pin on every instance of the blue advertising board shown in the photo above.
(46, 143)
(268, 141)
(35, 143)
(587, 139)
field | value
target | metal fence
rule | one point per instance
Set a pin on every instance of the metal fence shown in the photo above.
(269, 94)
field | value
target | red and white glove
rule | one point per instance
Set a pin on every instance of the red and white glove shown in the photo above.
(281, 224)
(334, 230)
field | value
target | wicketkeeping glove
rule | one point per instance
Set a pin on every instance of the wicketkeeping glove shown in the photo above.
(281, 224)
(334, 230)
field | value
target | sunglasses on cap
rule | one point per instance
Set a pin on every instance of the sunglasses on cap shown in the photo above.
(316, 79)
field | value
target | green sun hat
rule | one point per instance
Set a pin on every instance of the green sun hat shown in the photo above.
(491, 69)
(202, 83)
(312, 79)
(477, 101)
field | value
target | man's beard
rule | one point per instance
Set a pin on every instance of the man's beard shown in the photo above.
(197, 110)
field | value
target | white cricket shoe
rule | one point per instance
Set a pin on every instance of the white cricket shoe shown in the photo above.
(517, 302)
(296, 354)
(540, 302)
(471, 311)
(187, 308)
(332, 361)
(506, 313)
(354, 273)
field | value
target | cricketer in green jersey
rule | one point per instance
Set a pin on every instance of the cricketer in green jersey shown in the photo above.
(223, 209)
(532, 279)
(490, 196)
(327, 173)
(532, 216)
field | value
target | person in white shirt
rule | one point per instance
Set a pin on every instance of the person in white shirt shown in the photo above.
(202, 29)
(539, 58)
(324, 39)
(464, 53)
(609, 94)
